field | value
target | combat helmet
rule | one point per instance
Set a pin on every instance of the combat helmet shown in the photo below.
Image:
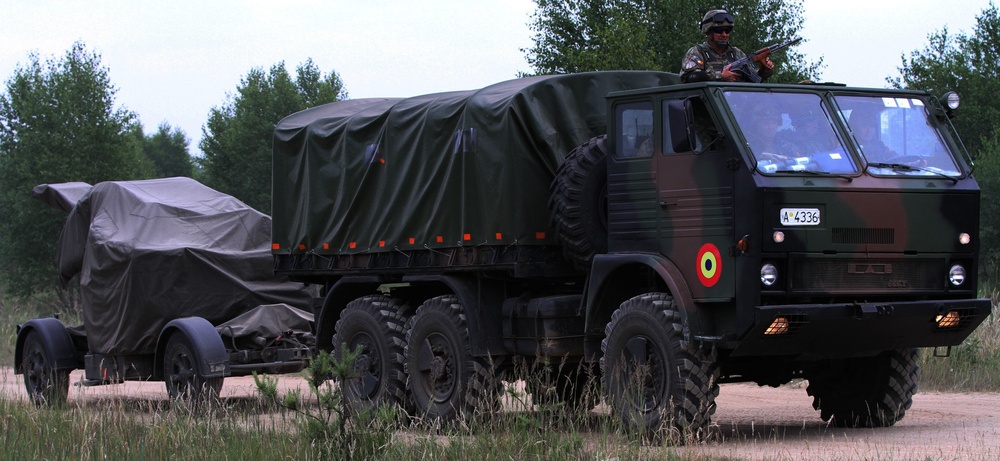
(716, 18)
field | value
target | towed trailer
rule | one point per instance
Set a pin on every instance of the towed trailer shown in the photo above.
(176, 286)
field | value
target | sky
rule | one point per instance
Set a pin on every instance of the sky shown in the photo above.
(173, 61)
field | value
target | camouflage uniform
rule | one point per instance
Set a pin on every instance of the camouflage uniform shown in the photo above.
(703, 57)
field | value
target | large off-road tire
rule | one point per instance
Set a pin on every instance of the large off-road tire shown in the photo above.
(866, 392)
(579, 202)
(44, 384)
(181, 375)
(377, 326)
(656, 380)
(443, 377)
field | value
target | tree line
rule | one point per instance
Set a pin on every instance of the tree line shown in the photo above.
(59, 121)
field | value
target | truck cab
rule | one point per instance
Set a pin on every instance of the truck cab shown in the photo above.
(797, 224)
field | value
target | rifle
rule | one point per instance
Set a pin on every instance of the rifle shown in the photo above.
(743, 66)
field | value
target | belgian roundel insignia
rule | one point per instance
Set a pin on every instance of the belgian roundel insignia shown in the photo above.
(709, 265)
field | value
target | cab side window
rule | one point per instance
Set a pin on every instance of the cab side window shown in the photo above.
(634, 122)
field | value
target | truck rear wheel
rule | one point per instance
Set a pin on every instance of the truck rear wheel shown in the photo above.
(377, 326)
(866, 392)
(579, 202)
(443, 377)
(45, 384)
(181, 374)
(653, 377)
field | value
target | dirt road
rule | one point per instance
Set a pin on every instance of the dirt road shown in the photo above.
(752, 422)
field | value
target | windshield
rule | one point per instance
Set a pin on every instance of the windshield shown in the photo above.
(896, 136)
(790, 132)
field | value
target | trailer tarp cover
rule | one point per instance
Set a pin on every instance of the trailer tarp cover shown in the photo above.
(148, 252)
(441, 170)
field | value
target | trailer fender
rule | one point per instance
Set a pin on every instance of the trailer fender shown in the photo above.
(601, 296)
(56, 340)
(213, 359)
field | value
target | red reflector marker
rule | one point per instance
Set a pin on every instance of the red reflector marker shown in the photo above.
(540, 235)
(302, 247)
(275, 246)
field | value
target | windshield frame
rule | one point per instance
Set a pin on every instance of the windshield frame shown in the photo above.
(854, 163)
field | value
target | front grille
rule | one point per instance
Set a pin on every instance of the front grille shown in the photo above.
(866, 274)
(864, 235)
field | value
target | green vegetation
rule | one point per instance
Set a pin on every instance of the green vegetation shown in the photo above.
(237, 136)
(589, 35)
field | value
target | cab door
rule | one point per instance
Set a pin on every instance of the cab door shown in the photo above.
(695, 177)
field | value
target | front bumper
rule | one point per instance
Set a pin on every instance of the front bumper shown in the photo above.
(813, 331)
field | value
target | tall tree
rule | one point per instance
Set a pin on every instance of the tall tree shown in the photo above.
(236, 140)
(968, 63)
(58, 123)
(588, 35)
(167, 149)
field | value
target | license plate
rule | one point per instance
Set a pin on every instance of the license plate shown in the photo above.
(800, 217)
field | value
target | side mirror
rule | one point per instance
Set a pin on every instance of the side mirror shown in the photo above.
(681, 125)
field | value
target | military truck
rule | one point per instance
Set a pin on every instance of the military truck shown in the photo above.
(670, 236)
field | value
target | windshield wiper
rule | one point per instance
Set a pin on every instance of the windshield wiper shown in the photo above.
(818, 173)
(905, 167)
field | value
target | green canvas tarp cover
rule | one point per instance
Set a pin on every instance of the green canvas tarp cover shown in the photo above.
(441, 170)
(151, 251)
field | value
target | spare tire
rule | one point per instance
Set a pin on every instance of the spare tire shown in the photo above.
(579, 202)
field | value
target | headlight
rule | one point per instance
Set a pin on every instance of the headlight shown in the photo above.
(768, 274)
(778, 236)
(950, 100)
(956, 275)
(964, 238)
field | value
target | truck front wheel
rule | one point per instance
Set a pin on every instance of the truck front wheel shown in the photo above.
(868, 391)
(443, 377)
(180, 372)
(654, 378)
(45, 384)
(377, 326)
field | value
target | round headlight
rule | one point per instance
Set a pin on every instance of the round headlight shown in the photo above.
(964, 238)
(768, 274)
(956, 275)
(778, 236)
(951, 100)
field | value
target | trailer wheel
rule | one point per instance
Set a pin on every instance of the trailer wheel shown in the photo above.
(377, 326)
(654, 378)
(866, 392)
(180, 372)
(579, 202)
(45, 384)
(443, 377)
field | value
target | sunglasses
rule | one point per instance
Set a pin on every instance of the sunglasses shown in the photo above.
(722, 30)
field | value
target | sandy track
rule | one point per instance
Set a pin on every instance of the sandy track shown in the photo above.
(751, 422)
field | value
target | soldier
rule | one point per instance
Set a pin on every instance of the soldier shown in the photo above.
(711, 61)
(866, 126)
